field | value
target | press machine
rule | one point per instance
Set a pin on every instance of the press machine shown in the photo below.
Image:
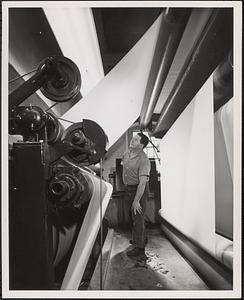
(50, 183)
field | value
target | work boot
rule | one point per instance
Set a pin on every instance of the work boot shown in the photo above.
(146, 241)
(136, 252)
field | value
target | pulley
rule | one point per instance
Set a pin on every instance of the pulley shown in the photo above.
(65, 81)
(54, 128)
(57, 77)
(88, 141)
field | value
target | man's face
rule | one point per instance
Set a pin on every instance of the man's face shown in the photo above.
(135, 142)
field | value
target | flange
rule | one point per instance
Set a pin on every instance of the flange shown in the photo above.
(88, 140)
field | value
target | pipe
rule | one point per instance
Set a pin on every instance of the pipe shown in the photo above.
(212, 46)
(223, 82)
(173, 23)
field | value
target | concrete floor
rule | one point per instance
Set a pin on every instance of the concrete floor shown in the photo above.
(164, 269)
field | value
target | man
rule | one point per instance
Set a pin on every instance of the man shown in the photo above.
(136, 169)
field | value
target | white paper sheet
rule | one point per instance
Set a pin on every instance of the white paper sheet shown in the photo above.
(187, 175)
(115, 103)
(87, 234)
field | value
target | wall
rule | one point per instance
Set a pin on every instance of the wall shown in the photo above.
(187, 174)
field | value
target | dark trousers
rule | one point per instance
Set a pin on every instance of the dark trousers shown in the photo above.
(136, 220)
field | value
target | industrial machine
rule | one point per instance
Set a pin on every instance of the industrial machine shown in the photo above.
(50, 186)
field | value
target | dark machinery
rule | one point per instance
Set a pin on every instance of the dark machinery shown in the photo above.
(49, 192)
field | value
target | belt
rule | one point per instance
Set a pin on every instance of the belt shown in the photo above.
(131, 186)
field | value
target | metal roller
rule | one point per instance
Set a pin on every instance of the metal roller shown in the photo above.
(173, 24)
(210, 49)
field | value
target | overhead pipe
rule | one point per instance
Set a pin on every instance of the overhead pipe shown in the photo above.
(223, 82)
(210, 49)
(172, 26)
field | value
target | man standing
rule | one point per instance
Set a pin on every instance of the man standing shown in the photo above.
(136, 169)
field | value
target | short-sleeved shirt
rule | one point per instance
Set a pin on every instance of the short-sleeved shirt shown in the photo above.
(135, 167)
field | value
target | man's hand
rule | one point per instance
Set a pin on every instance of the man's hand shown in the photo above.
(136, 207)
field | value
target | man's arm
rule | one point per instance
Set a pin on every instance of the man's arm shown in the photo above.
(136, 207)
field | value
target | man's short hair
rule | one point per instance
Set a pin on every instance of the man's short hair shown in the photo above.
(144, 139)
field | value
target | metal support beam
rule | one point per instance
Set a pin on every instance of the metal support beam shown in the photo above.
(171, 30)
(210, 49)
